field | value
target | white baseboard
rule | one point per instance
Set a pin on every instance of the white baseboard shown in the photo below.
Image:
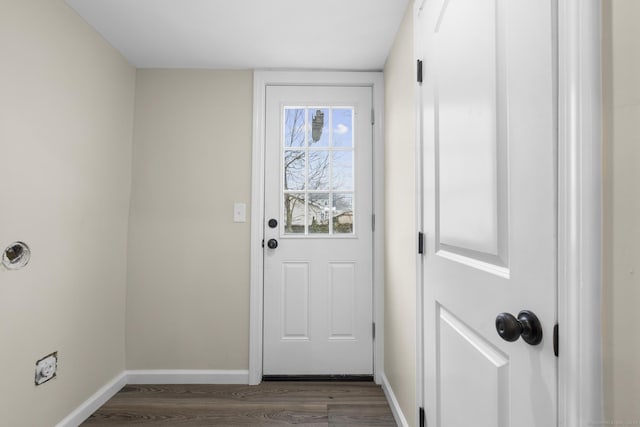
(89, 406)
(187, 376)
(393, 403)
(169, 376)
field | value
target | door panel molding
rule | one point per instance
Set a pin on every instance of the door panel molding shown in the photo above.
(342, 300)
(456, 339)
(262, 79)
(295, 315)
(475, 226)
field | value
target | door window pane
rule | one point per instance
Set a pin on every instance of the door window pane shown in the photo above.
(342, 213)
(294, 127)
(294, 170)
(319, 213)
(319, 170)
(294, 213)
(319, 134)
(342, 120)
(342, 170)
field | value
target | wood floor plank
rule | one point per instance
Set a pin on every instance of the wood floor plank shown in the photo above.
(311, 404)
(360, 415)
(312, 392)
(248, 415)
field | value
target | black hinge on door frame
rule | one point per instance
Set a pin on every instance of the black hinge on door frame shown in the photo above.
(420, 242)
(555, 340)
(373, 331)
(419, 71)
(421, 415)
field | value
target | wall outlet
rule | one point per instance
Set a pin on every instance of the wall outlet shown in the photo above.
(46, 368)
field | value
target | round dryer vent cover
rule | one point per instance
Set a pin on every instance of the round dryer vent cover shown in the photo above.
(16, 256)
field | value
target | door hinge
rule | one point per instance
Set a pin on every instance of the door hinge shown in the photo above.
(373, 222)
(373, 331)
(421, 417)
(373, 117)
(555, 340)
(419, 71)
(420, 242)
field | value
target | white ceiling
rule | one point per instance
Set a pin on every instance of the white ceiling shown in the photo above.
(327, 34)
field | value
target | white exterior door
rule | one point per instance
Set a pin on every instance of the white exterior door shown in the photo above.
(489, 135)
(318, 231)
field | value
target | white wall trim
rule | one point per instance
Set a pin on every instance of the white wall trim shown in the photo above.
(580, 399)
(261, 80)
(187, 376)
(89, 406)
(257, 230)
(398, 415)
(154, 376)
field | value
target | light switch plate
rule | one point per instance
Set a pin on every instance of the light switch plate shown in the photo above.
(239, 212)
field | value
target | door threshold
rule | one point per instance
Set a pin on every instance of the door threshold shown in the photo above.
(326, 378)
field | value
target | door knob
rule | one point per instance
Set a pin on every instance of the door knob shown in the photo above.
(526, 325)
(272, 243)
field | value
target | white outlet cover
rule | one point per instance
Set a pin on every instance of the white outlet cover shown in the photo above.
(46, 368)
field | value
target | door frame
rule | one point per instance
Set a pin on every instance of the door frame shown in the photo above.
(580, 398)
(579, 275)
(262, 79)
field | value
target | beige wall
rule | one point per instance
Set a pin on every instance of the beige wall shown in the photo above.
(66, 130)
(66, 118)
(400, 237)
(188, 279)
(622, 210)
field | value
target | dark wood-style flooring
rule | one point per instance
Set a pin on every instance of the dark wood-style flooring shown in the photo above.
(311, 404)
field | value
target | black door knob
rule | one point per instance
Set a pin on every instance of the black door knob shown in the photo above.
(272, 243)
(526, 326)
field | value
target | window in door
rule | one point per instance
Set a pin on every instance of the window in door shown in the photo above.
(318, 168)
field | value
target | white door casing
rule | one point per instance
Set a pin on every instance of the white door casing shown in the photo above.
(318, 280)
(489, 129)
(262, 80)
(580, 228)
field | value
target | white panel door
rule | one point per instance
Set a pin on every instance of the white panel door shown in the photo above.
(318, 231)
(489, 137)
